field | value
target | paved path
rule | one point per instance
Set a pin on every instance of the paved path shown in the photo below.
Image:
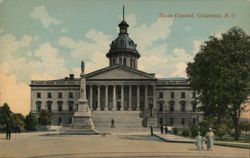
(180, 139)
(41, 145)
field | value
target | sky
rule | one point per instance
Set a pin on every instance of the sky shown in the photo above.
(44, 39)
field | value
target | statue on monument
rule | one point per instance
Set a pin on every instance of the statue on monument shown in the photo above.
(82, 66)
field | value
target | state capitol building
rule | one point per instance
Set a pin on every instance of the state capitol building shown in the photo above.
(119, 91)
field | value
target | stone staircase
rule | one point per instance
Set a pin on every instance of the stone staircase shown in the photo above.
(125, 121)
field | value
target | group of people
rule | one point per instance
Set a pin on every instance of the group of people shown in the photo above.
(208, 139)
(164, 129)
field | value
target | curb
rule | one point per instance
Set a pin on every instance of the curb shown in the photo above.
(247, 146)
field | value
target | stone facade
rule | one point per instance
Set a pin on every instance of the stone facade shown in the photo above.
(119, 87)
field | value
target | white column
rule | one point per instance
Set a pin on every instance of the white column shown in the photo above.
(106, 97)
(122, 98)
(138, 97)
(98, 98)
(91, 97)
(130, 98)
(114, 98)
(146, 96)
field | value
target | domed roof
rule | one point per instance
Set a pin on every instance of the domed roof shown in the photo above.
(123, 44)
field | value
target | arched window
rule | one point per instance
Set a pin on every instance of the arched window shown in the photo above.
(120, 60)
(71, 105)
(38, 105)
(59, 106)
(124, 61)
(183, 105)
(171, 105)
(49, 106)
(113, 61)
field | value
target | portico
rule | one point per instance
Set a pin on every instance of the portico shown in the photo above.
(119, 97)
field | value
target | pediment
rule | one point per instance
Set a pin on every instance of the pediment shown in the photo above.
(119, 72)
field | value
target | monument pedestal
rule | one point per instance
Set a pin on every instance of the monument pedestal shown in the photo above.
(82, 124)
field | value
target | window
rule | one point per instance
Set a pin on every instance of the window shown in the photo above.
(124, 61)
(183, 106)
(183, 95)
(194, 95)
(182, 121)
(194, 121)
(71, 105)
(59, 106)
(71, 95)
(120, 60)
(172, 95)
(172, 106)
(49, 95)
(49, 106)
(131, 60)
(113, 61)
(160, 107)
(194, 106)
(171, 121)
(38, 105)
(38, 95)
(70, 120)
(59, 120)
(60, 95)
(160, 94)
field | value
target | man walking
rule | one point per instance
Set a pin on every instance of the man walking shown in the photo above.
(8, 131)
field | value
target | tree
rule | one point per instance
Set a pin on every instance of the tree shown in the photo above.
(45, 118)
(245, 126)
(5, 115)
(30, 122)
(220, 73)
(18, 122)
(221, 129)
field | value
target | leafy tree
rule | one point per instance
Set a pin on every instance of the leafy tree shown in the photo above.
(220, 73)
(194, 129)
(204, 126)
(5, 115)
(18, 121)
(30, 122)
(45, 118)
(221, 129)
(245, 126)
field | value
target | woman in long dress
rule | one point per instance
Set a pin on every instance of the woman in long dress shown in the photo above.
(210, 139)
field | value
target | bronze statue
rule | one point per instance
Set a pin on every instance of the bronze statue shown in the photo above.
(82, 66)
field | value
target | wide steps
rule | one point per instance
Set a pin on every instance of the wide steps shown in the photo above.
(125, 121)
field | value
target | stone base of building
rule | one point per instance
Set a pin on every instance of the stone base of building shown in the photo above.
(82, 125)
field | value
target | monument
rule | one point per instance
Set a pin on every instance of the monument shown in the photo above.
(82, 122)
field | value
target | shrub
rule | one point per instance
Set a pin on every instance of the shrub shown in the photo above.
(175, 130)
(185, 132)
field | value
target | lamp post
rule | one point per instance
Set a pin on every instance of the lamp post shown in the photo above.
(151, 114)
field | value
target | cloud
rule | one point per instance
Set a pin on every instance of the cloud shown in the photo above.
(96, 42)
(13, 92)
(9, 44)
(218, 35)
(40, 13)
(146, 35)
(16, 72)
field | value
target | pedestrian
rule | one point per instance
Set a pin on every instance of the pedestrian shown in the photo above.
(166, 129)
(203, 143)
(8, 131)
(210, 139)
(199, 141)
(112, 123)
(161, 129)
